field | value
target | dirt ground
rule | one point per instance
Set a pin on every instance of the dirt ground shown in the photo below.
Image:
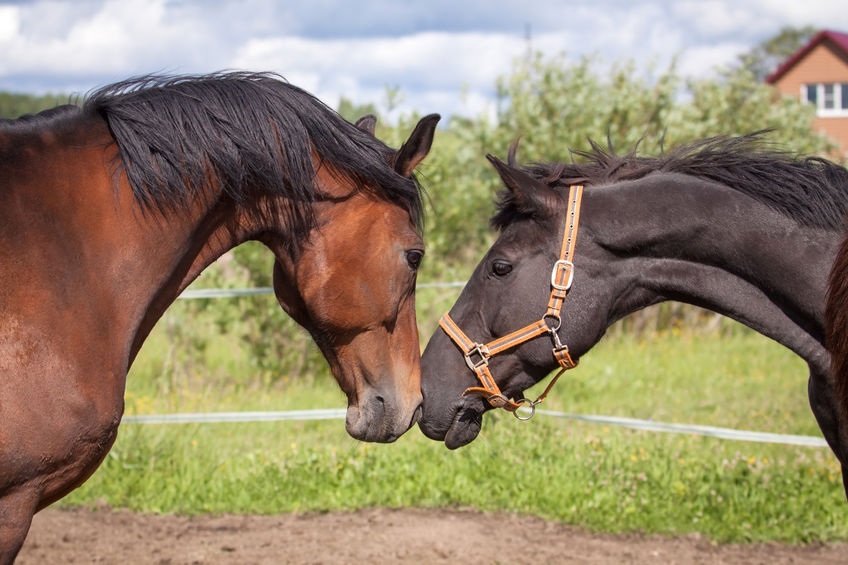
(373, 537)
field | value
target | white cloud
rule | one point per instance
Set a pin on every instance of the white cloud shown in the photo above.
(720, 18)
(119, 37)
(433, 52)
(703, 61)
(9, 23)
(358, 68)
(434, 58)
(827, 14)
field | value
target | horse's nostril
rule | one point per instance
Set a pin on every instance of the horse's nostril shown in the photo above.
(380, 399)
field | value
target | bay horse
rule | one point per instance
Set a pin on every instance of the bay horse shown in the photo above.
(728, 223)
(108, 210)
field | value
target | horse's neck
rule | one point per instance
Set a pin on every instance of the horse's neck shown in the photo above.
(86, 248)
(679, 238)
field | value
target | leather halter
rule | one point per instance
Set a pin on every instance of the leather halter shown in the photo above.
(477, 355)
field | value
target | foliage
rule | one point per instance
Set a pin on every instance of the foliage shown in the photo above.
(555, 105)
(352, 112)
(15, 105)
(740, 104)
(271, 345)
(765, 57)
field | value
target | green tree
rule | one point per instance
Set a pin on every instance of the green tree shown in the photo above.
(16, 105)
(739, 104)
(556, 105)
(352, 112)
(765, 57)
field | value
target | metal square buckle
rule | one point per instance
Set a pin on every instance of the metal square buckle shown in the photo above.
(480, 350)
(565, 265)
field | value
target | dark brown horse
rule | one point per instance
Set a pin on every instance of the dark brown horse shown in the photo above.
(109, 210)
(727, 224)
(836, 326)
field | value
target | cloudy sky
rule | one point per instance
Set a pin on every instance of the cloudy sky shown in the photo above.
(443, 55)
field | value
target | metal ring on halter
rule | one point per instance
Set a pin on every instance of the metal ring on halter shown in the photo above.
(530, 403)
(558, 322)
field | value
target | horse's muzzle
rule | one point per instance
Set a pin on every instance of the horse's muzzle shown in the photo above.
(457, 425)
(378, 419)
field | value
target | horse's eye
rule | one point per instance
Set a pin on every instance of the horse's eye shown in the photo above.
(501, 268)
(413, 258)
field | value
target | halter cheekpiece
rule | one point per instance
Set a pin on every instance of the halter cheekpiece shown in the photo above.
(477, 355)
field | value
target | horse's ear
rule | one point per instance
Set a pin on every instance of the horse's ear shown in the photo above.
(513, 150)
(417, 146)
(367, 123)
(531, 196)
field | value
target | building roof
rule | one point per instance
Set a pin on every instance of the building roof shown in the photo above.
(838, 40)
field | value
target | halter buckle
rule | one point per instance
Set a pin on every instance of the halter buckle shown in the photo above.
(480, 350)
(569, 266)
(498, 400)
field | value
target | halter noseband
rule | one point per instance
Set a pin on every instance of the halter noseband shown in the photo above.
(477, 355)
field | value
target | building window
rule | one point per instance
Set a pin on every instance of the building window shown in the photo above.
(829, 98)
(811, 91)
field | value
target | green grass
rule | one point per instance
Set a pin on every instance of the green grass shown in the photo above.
(599, 477)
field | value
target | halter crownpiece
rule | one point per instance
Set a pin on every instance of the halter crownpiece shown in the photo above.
(477, 355)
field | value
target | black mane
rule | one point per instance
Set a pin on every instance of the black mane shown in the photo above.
(811, 190)
(244, 132)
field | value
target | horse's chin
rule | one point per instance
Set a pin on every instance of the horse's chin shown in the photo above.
(465, 427)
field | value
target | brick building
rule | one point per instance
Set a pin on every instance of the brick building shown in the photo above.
(818, 73)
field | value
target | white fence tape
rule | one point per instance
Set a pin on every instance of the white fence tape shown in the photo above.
(711, 431)
(218, 417)
(224, 292)
(334, 414)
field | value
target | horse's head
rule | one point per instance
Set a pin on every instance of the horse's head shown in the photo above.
(511, 289)
(352, 285)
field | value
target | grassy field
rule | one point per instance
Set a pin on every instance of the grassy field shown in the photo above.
(599, 477)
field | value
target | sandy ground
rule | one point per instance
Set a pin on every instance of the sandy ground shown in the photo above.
(374, 537)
